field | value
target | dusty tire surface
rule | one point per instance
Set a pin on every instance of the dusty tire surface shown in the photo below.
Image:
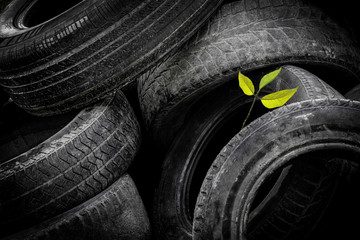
(243, 36)
(324, 129)
(172, 205)
(49, 165)
(63, 55)
(115, 213)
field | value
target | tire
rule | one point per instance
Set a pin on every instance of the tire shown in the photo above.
(245, 36)
(115, 213)
(207, 128)
(63, 55)
(317, 130)
(49, 165)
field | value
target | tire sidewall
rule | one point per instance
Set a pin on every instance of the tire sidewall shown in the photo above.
(171, 207)
(300, 128)
(206, 118)
(9, 28)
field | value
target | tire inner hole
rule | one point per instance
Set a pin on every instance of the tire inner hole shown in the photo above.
(21, 131)
(341, 180)
(41, 11)
(227, 129)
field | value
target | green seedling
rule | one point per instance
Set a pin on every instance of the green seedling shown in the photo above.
(272, 100)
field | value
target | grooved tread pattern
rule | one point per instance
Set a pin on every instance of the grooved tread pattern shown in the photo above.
(243, 36)
(76, 163)
(171, 205)
(308, 187)
(101, 46)
(116, 213)
(276, 226)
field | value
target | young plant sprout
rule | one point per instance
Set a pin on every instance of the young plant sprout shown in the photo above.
(272, 100)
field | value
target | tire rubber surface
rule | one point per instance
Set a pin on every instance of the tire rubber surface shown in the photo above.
(172, 208)
(51, 66)
(243, 36)
(116, 213)
(322, 128)
(75, 163)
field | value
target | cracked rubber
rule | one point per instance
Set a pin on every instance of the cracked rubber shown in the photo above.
(90, 49)
(116, 213)
(317, 131)
(244, 36)
(88, 153)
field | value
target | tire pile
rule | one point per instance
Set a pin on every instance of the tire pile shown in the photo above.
(93, 92)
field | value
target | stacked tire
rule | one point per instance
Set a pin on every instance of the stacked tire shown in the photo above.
(279, 176)
(67, 173)
(69, 134)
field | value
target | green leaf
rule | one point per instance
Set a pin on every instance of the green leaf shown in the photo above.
(277, 99)
(268, 78)
(246, 85)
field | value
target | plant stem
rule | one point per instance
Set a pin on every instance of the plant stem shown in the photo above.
(252, 105)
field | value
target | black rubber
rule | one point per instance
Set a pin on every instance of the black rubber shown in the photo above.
(63, 55)
(214, 120)
(115, 213)
(49, 165)
(245, 36)
(316, 130)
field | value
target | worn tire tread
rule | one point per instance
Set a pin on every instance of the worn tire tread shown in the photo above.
(78, 162)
